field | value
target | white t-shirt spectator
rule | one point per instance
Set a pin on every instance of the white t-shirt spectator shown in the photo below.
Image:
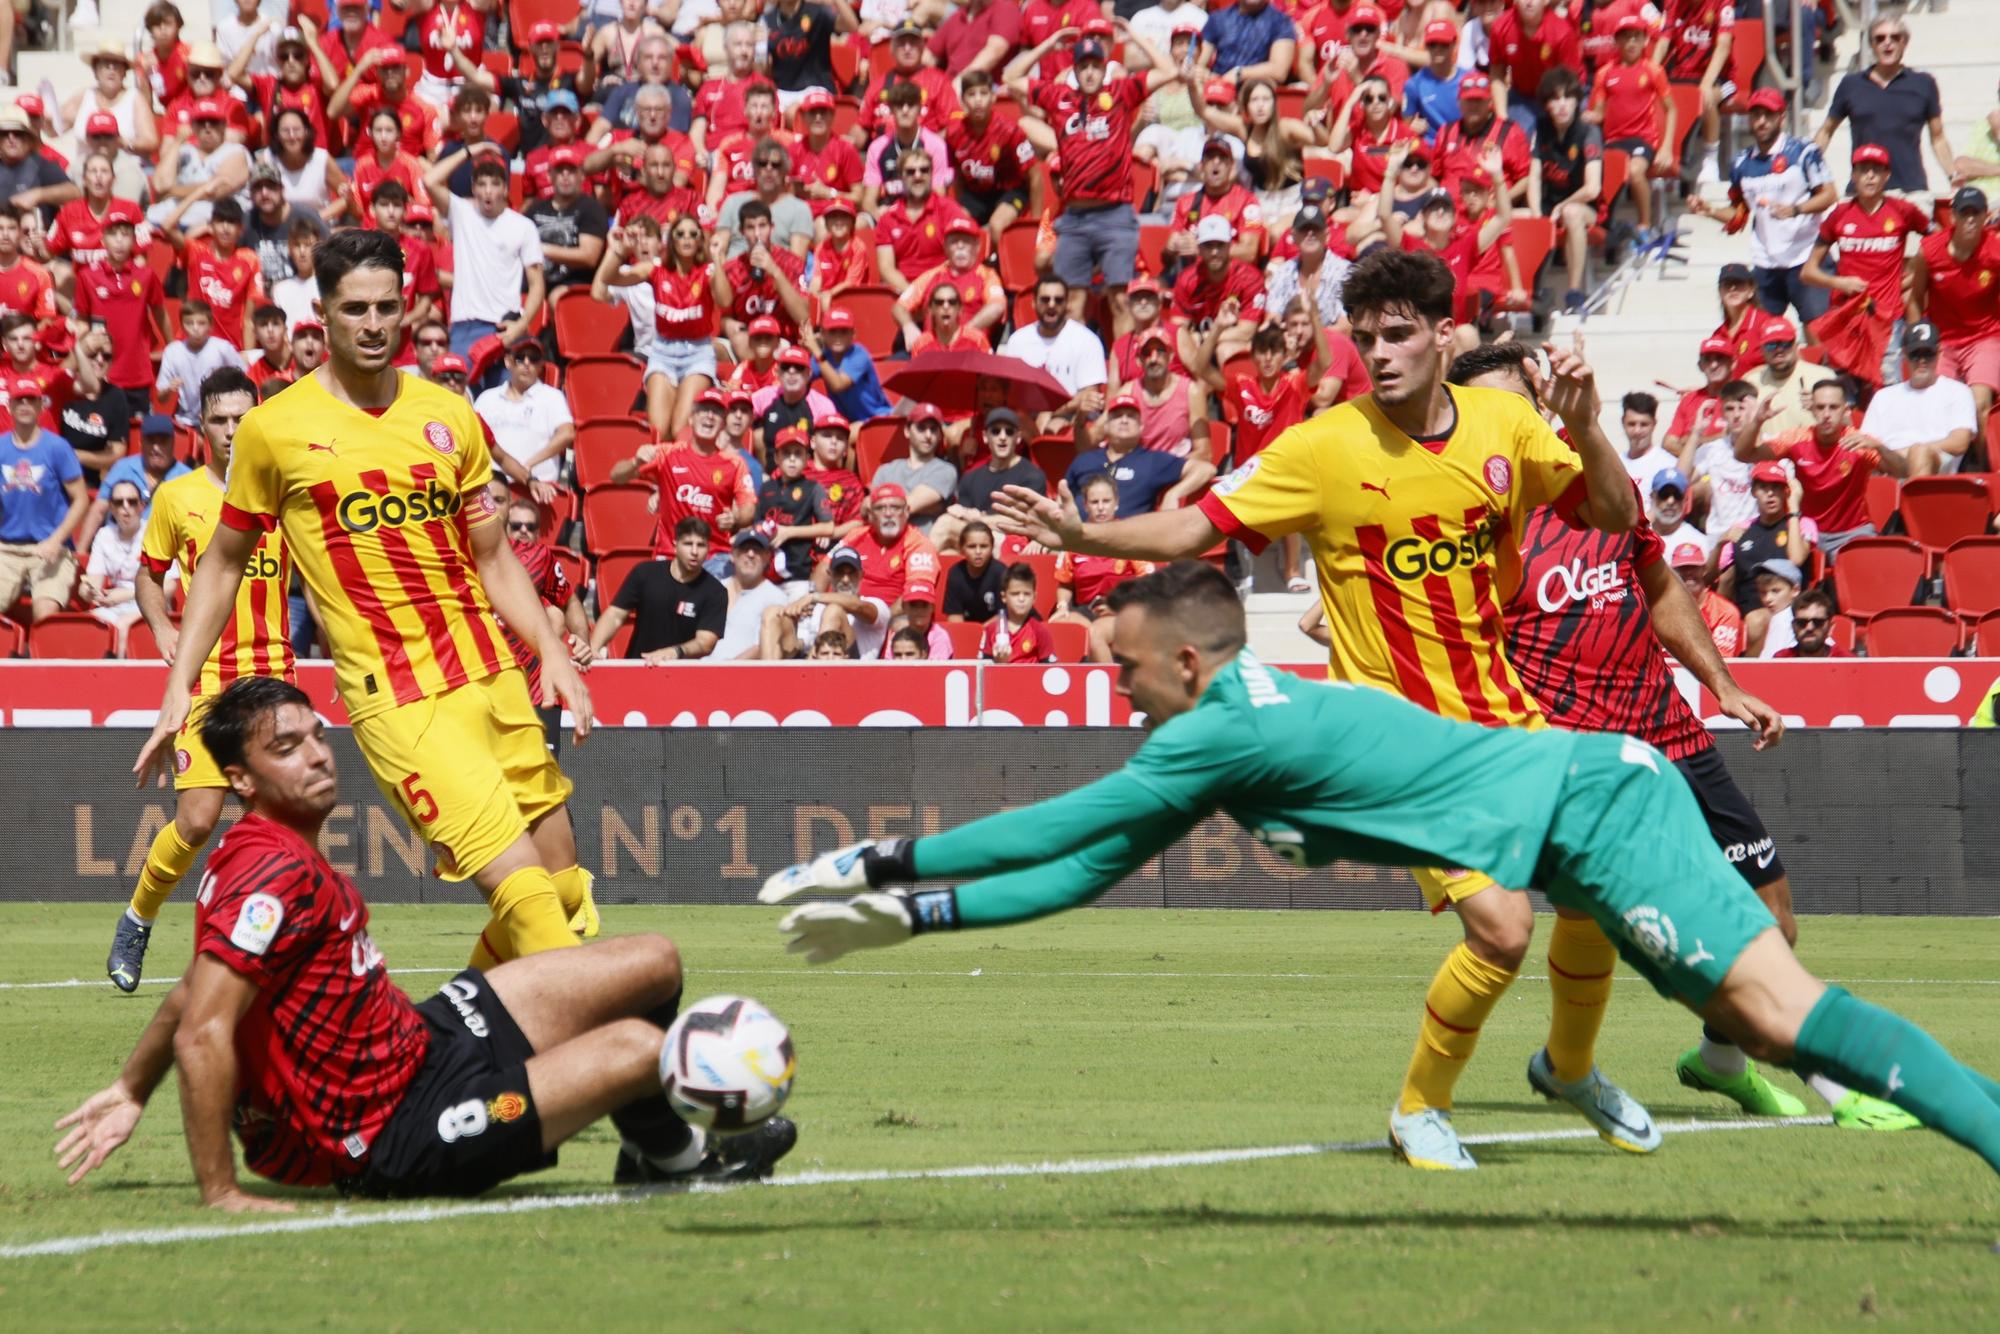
(867, 638)
(490, 258)
(187, 369)
(1074, 356)
(1646, 467)
(1779, 635)
(1729, 498)
(232, 35)
(745, 625)
(522, 426)
(1683, 535)
(1900, 416)
(294, 296)
(1157, 23)
(638, 301)
(114, 564)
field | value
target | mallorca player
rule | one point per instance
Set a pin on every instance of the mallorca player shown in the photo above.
(1585, 629)
(378, 481)
(1413, 498)
(256, 640)
(1318, 772)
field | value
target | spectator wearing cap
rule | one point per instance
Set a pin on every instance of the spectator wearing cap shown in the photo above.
(543, 88)
(1767, 629)
(1725, 623)
(570, 224)
(1778, 185)
(737, 419)
(1953, 278)
(529, 420)
(825, 166)
(1147, 304)
(1787, 379)
(1430, 94)
(832, 444)
(42, 500)
(1832, 462)
(1173, 406)
(191, 359)
(1063, 346)
(205, 64)
(926, 481)
(843, 258)
(792, 401)
(906, 66)
(1526, 42)
(248, 30)
(752, 594)
(921, 635)
(1892, 105)
(124, 292)
(766, 281)
(846, 368)
(269, 222)
(840, 611)
(1005, 466)
(1252, 39)
(154, 464)
(1462, 147)
(696, 478)
(27, 178)
(678, 606)
(1812, 628)
(1094, 124)
(1315, 270)
(1472, 241)
(1866, 236)
(496, 251)
(296, 88)
(111, 93)
(1345, 48)
(379, 79)
(309, 350)
(981, 301)
(1221, 194)
(989, 156)
(759, 364)
(793, 510)
(198, 166)
(448, 370)
(1774, 531)
(1147, 480)
(1216, 283)
(892, 551)
(99, 137)
(1743, 320)
(798, 51)
(1924, 417)
(1668, 511)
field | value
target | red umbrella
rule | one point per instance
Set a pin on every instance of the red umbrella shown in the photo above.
(953, 381)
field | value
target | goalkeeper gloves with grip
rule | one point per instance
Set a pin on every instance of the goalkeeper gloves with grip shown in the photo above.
(865, 865)
(825, 931)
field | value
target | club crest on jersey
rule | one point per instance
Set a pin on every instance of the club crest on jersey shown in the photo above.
(1499, 475)
(182, 761)
(438, 436)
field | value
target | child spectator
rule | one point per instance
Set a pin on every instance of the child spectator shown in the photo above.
(1767, 630)
(843, 258)
(1812, 628)
(906, 645)
(832, 646)
(1718, 613)
(1018, 634)
(973, 588)
(1083, 582)
(1632, 104)
(793, 512)
(920, 606)
(125, 293)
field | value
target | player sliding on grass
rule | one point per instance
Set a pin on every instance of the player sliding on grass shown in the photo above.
(288, 1029)
(1604, 824)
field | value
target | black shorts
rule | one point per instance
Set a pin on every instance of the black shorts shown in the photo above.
(1638, 148)
(467, 1122)
(982, 206)
(1732, 820)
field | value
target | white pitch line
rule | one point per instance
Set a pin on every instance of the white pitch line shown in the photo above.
(343, 1218)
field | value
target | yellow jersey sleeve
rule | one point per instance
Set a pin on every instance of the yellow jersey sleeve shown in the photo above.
(159, 548)
(475, 470)
(253, 490)
(1273, 494)
(1550, 472)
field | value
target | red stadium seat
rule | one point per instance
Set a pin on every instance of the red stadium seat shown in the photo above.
(876, 443)
(13, 637)
(1938, 511)
(1972, 575)
(1327, 169)
(1841, 632)
(1072, 640)
(1052, 454)
(1145, 180)
(965, 637)
(1913, 632)
(873, 308)
(617, 516)
(602, 442)
(71, 634)
(846, 113)
(846, 53)
(574, 567)
(1533, 238)
(1152, 250)
(1617, 168)
(1017, 256)
(1881, 499)
(140, 646)
(1986, 636)
(525, 14)
(613, 568)
(1746, 57)
(1875, 573)
(588, 327)
(1220, 441)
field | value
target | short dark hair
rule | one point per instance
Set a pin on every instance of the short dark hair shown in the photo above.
(1194, 594)
(976, 526)
(1736, 391)
(690, 527)
(1098, 479)
(837, 638)
(1487, 358)
(1270, 338)
(162, 11)
(194, 305)
(903, 95)
(267, 311)
(9, 323)
(1557, 80)
(907, 635)
(1642, 403)
(1385, 279)
(489, 168)
(469, 97)
(236, 713)
(351, 249)
(1815, 597)
(753, 210)
(302, 229)
(1020, 572)
(226, 209)
(1050, 280)
(768, 147)
(228, 380)
(390, 192)
(760, 90)
(974, 78)
(1833, 383)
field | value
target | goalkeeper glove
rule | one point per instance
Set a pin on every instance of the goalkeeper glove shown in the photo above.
(864, 865)
(825, 931)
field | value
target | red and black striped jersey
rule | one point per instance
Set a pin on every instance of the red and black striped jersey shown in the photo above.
(330, 1045)
(1581, 637)
(552, 586)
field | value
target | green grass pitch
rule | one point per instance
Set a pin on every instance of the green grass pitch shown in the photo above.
(1105, 1035)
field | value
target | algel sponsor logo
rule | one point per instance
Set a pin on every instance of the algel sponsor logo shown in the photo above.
(1575, 582)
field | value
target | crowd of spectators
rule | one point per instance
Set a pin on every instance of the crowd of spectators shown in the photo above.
(765, 212)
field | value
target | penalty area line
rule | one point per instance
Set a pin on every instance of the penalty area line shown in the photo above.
(343, 1218)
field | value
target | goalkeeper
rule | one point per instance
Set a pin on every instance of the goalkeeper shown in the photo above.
(1320, 771)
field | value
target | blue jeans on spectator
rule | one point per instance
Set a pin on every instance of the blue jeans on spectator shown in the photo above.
(1779, 288)
(1521, 110)
(304, 630)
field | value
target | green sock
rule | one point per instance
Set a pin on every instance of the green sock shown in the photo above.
(1865, 1047)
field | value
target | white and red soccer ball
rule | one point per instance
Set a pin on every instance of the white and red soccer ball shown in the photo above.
(727, 1064)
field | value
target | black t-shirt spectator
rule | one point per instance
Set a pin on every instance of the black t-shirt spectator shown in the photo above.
(1758, 544)
(527, 96)
(32, 172)
(1143, 476)
(667, 613)
(779, 415)
(1564, 157)
(91, 423)
(794, 504)
(567, 227)
(1896, 117)
(460, 180)
(976, 488)
(273, 249)
(801, 47)
(974, 599)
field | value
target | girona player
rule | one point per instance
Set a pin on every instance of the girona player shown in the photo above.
(1585, 630)
(256, 640)
(288, 1029)
(1407, 496)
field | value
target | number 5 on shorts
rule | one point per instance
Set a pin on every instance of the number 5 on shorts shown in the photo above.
(422, 804)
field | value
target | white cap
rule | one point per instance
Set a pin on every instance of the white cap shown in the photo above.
(1214, 227)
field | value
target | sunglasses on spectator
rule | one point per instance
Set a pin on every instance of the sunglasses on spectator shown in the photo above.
(433, 342)
(945, 301)
(776, 164)
(516, 526)
(526, 354)
(1002, 429)
(1806, 622)
(459, 376)
(1364, 27)
(290, 57)
(1374, 99)
(912, 173)
(1778, 347)
(1889, 38)
(1922, 355)
(202, 72)
(98, 356)
(122, 502)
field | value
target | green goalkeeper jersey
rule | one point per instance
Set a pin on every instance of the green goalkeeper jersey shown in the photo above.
(1316, 771)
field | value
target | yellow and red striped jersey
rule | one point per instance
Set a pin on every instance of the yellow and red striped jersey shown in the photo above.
(377, 509)
(257, 638)
(1416, 542)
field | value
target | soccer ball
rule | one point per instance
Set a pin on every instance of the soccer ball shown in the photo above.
(727, 1064)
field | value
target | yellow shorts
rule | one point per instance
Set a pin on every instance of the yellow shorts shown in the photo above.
(469, 769)
(1443, 888)
(194, 767)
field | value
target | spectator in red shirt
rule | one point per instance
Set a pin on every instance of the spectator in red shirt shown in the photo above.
(383, 158)
(1222, 193)
(730, 171)
(1369, 123)
(1082, 582)
(1694, 46)
(763, 280)
(1148, 306)
(1744, 322)
(1527, 42)
(1018, 633)
(1363, 59)
(220, 271)
(1812, 628)
(892, 551)
(1633, 105)
(1698, 416)
(1462, 145)
(909, 234)
(1215, 282)
(990, 158)
(1832, 462)
(125, 293)
(379, 78)
(825, 166)
(944, 311)
(977, 35)
(697, 478)
(906, 55)
(1871, 230)
(76, 237)
(1718, 613)
(1953, 280)
(982, 301)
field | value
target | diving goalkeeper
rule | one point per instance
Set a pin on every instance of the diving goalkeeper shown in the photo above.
(1319, 771)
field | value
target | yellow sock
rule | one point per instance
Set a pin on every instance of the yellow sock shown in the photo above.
(166, 863)
(485, 953)
(1461, 996)
(1581, 962)
(527, 915)
(573, 888)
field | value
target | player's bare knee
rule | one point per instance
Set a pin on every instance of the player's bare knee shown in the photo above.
(661, 964)
(195, 821)
(1500, 938)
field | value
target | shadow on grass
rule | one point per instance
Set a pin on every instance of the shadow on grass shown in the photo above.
(1949, 1231)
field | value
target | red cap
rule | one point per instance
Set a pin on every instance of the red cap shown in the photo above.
(1151, 336)
(450, 363)
(100, 122)
(566, 155)
(1874, 153)
(1766, 99)
(1769, 471)
(765, 325)
(1121, 403)
(1631, 23)
(816, 99)
(1778, 329)
(795, 356)
(1219, 92)
(208, 108)
(314, 326)
(1098, 27)
(29, 104)
(1716, 347)
(842, 205)
(1686, 554)
(712, 397)
(1442, 32)
(1478, 176)
(962, 227)
(544, 32)
(1138, 285)
(888, 491)
(838, 319)
(920, 590)
(25, 386)
(1475, 86)
(1364, 16)
(737, 394)
(926, 412)
(791, 435)
(420, 210)
(830, 421)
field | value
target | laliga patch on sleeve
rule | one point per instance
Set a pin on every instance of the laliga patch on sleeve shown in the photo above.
(257, 924)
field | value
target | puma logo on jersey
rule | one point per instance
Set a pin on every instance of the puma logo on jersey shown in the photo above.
(320, 449)
(1382, 490)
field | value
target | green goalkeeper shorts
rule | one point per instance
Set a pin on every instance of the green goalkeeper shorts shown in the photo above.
(1629, 846)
